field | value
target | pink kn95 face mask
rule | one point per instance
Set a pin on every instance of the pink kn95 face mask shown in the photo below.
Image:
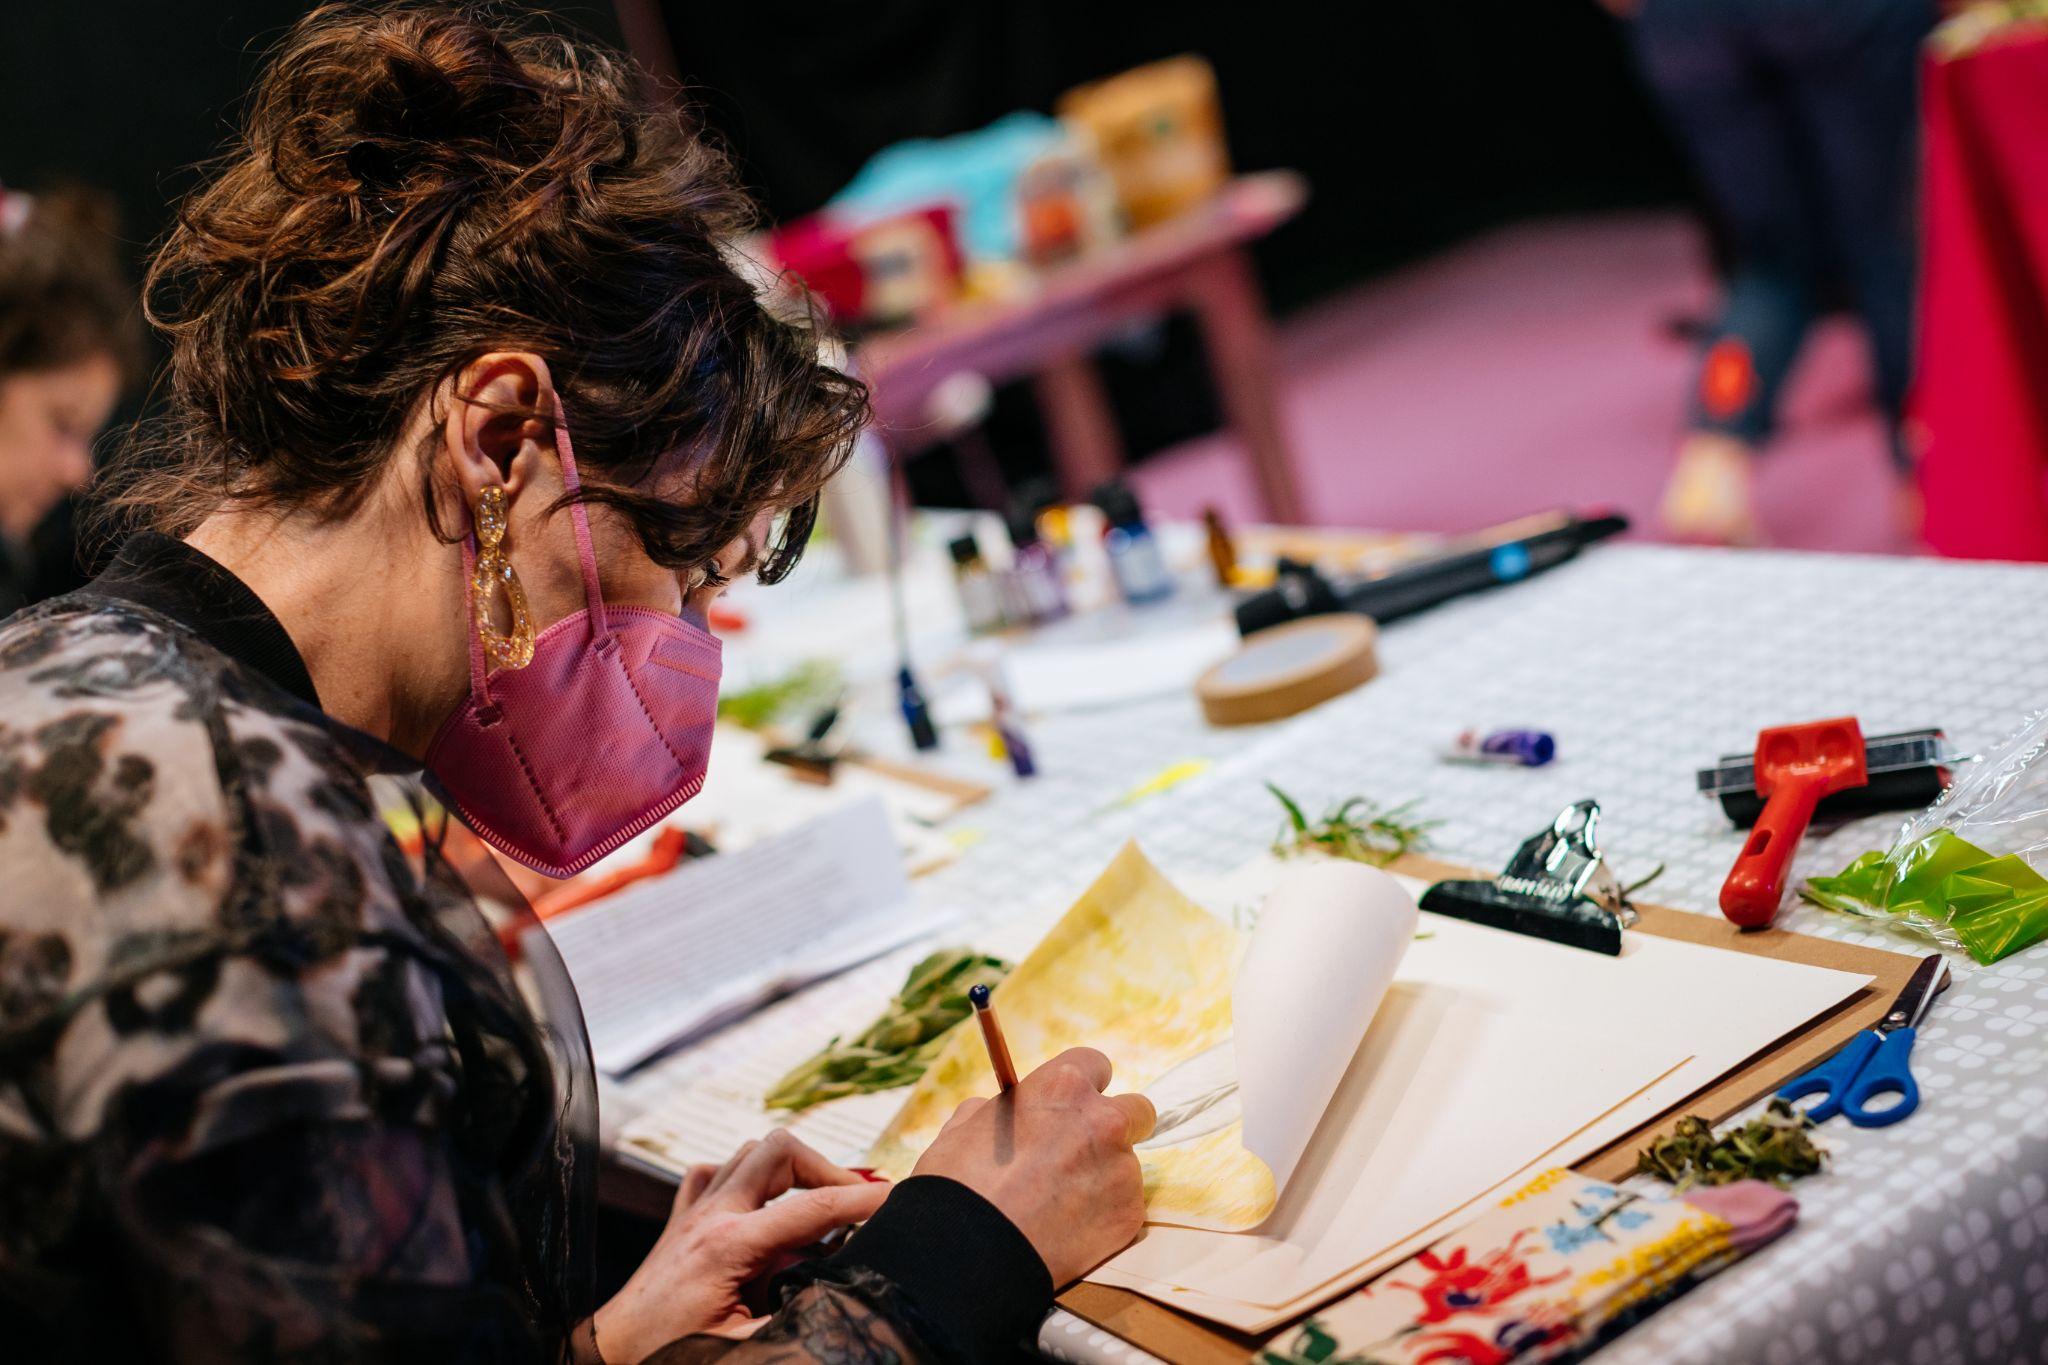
(606, 731)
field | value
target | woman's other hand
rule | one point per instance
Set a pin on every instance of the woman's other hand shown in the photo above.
(1054, 1155)
(722, 1233)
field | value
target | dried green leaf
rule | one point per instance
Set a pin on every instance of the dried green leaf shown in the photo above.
(1773, 1146)
(898, 1047)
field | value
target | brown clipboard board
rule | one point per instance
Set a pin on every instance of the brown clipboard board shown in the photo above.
(1187, 1340)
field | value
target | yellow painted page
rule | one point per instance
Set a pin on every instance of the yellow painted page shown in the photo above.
(1140, 972)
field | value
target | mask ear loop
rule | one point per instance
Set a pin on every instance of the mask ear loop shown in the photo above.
(586, 555)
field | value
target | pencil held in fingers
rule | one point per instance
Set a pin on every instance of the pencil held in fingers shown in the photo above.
(992, 1035)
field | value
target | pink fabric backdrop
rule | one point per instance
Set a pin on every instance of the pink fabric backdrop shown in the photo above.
(1980, 398)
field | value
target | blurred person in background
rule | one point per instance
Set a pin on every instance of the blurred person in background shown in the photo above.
(1799, 116)
(68, 343)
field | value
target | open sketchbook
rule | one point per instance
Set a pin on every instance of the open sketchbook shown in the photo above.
(1366, 1113)
(1238, 1045)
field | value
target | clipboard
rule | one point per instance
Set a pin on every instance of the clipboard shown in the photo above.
(1185, 1340)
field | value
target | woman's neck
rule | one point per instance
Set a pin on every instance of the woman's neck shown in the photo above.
(374, 612)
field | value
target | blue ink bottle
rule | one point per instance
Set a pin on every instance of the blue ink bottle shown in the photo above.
(1134, 558)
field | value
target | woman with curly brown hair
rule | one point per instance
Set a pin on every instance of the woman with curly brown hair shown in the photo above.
(470, 419)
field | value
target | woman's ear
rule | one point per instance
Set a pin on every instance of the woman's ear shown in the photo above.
(490, 432)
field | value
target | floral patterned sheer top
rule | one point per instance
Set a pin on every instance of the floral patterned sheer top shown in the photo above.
(267, 1089)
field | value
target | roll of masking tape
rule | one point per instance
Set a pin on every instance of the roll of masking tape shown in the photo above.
(1287, 669)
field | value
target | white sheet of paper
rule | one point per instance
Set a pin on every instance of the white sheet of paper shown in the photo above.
(1442, 1103)
(1326, 950)
(676, 955)
(1234, 1312)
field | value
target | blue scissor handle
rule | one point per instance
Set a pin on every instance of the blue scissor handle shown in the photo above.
(1834, 1076)
(1885, 1074)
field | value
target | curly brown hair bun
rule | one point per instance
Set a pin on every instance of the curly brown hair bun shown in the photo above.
(63, 296)
(415, 186)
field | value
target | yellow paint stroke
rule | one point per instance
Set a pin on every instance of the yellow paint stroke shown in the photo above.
(1166, 779)
(1140, 972)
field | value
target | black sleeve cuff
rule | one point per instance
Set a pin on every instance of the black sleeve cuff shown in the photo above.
(966, 1268)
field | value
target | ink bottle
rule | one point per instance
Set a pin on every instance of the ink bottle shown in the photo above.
(1134, 557)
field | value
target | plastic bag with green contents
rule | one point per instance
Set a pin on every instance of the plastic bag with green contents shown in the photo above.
(1965, 872)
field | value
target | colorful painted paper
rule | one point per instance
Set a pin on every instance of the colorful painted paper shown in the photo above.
(1561, 1264)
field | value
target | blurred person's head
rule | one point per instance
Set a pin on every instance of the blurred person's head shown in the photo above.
(67, 343)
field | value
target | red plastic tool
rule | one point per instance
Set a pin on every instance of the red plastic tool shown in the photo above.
(1796, 765)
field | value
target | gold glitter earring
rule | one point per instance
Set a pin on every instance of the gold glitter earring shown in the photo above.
(507, 649)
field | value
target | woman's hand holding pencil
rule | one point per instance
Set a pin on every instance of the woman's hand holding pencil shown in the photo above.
(1052, 1153)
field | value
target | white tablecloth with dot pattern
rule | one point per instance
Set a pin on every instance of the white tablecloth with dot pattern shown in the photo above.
(1928, 1241)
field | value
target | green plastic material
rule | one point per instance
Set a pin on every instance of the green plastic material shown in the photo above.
(1947, 888)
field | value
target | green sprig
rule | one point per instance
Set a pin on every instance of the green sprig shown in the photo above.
(1356, 829)
(898, 1047)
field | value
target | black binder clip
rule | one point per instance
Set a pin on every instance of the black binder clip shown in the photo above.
(1557, 886)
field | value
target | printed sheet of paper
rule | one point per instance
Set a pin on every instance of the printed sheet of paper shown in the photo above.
(676, 955)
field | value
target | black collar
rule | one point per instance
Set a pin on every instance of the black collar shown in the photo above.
(172, 579)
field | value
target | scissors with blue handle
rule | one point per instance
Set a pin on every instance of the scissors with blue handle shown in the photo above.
(1874, 1062)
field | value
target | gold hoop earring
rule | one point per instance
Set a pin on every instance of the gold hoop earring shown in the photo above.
(507, 649)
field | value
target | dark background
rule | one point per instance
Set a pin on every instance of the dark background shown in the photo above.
(1416, 122)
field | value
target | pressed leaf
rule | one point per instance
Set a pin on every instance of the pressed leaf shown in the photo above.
(898, 1047)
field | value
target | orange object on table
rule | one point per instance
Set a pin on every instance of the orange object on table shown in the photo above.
(1796, 765)
(671, 842)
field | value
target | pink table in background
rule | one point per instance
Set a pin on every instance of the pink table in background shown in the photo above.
(1198, 263)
